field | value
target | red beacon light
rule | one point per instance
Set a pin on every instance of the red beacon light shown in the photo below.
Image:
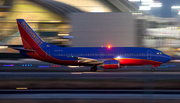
(109, 46)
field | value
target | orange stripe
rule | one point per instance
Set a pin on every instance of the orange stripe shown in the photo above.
(31, 48)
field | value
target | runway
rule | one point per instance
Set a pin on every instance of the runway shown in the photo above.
(90, 94)
(90, 75)
(45, 82)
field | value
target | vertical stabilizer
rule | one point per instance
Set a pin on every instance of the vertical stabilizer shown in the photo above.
(29, 38)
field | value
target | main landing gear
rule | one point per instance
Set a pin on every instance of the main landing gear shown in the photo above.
(94, 68)
(152, 69)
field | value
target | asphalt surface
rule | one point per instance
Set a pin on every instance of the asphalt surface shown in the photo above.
(89, 94)
(90, 75)
(30, 68)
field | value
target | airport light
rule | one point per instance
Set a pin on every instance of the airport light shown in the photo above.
(175, 7)
(136, 13)
(3, 47)
(97, 11)
(43, 66)
(155, 5)
(63, 34)
(147, 1)
(179, 13)
(134, 0)
(11, 65)
(144, 8)
(151, 3)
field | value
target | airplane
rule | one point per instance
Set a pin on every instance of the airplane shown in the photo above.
(106, 57)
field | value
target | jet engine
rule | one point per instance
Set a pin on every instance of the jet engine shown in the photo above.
(111, 64)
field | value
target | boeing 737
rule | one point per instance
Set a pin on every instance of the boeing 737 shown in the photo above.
(106, 57)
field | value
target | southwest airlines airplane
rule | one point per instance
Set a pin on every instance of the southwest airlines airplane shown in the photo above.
(106, 57)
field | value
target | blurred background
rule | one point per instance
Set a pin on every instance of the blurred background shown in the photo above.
(90, 23)
(94, 23)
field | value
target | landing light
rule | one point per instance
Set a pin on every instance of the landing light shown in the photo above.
(118, 57)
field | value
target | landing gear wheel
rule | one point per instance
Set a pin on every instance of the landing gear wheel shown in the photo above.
(94, 69)
(152, 69)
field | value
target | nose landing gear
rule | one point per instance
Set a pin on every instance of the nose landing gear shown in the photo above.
(152, 69)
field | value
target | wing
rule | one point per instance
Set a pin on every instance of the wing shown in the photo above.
(89, 60)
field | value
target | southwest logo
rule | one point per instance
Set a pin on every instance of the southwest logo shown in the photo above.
(32, 34)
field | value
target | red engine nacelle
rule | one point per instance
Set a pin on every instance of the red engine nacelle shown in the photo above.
(111, 64)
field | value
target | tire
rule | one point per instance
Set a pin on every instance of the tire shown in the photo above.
(93, 69)
(152, 69)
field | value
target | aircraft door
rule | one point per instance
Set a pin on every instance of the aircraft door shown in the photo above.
(48, 55)
(101, 55)
(149, 54)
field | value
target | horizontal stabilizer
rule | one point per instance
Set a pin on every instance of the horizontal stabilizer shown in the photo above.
(25, 50)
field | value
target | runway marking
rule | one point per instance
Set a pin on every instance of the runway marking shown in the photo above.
(89, 72)
(76, 73)
(22, 88)
(99, 70)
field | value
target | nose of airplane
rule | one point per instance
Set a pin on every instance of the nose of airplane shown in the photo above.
(168, 58)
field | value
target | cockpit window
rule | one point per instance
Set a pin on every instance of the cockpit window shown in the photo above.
(160, 53)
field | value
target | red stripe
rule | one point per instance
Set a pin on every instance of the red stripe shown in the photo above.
(133, 62)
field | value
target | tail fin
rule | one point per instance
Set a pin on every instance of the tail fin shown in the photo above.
(29, 38)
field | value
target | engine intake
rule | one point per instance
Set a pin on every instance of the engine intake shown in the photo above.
(111, 64)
